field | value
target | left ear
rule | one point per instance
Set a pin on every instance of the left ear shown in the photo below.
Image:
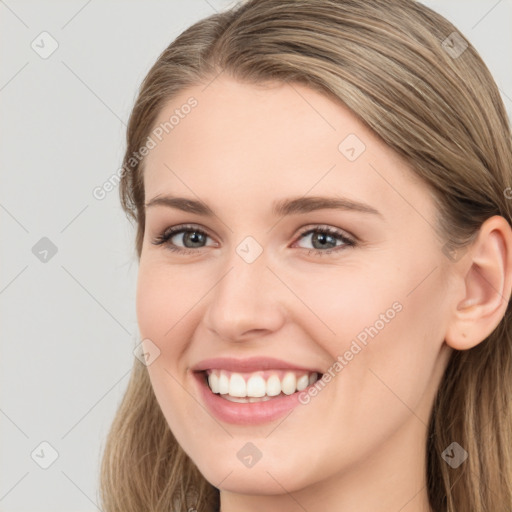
(487, 281)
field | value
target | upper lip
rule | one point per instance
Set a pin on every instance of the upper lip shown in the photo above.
(248, 365)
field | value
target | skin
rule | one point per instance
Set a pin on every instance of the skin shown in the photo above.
(359, 445)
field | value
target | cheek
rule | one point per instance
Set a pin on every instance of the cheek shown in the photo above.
(165, 302)
(389, 332)
(163, 306)
(342, 302)
(152, 300)
(398, 367)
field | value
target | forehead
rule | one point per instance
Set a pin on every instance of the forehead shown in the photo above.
(260, 141)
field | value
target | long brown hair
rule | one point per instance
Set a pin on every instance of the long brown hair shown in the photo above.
(412, 78)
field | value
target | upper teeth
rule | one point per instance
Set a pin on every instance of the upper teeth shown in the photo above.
(256, 385)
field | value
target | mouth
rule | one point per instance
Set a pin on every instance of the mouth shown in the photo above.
(257, 386)
(253, 391)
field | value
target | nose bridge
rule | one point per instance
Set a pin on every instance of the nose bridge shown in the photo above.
(244, 300)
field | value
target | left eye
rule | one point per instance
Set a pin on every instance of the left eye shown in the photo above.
(325, 238)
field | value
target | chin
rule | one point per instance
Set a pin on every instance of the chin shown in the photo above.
(268, 477)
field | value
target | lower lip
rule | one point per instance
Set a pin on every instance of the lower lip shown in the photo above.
(246, 413)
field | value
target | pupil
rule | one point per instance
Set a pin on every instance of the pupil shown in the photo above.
(322, 238)
(195, 237)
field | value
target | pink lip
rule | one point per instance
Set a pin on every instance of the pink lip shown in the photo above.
(245, 413)
(251, 364)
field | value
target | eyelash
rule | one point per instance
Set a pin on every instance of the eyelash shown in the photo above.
(163, 239)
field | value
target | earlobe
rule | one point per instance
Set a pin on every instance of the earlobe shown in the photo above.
(487, 286)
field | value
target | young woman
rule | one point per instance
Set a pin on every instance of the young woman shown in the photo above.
(321, 191)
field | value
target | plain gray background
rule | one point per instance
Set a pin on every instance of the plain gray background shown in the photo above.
(68, 320)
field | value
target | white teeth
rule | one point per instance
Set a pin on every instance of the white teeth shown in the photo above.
(234, 387)
(256, 386)
(302, 383)
(237, 386)
(247, 399)
(223, 384)
(289, 384)
(273, 386)
(254, 399)
(213, 381)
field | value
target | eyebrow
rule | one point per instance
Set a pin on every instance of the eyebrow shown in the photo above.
(279, 208)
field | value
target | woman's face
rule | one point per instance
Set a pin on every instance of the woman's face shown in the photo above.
(364, 303)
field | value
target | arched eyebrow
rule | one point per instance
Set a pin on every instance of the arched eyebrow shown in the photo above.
(309, 204)
(280, 208)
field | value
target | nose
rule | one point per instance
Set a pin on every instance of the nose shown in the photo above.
(245, 302)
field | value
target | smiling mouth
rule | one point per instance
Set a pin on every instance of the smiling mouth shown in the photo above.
(259, 386)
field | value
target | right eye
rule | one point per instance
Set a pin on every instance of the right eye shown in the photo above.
(189, 233)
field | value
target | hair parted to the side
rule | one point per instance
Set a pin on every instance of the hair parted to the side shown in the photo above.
(385, 60)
